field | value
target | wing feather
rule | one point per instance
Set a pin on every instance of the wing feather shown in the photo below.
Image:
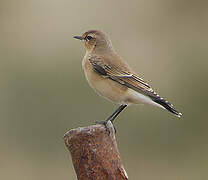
(130, 80)
(127, 78)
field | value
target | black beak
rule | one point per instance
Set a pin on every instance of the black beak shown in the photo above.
(78, 37)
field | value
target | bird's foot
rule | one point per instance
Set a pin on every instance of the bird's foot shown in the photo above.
(105, 123)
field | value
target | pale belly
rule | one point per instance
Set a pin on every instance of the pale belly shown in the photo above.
(105, 87)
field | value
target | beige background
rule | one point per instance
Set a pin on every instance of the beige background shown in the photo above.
(43, 92)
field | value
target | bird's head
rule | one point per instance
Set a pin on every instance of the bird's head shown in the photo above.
(96, 41)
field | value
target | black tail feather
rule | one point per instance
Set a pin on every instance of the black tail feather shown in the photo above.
(167, 106)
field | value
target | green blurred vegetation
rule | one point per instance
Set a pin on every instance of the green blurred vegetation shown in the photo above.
(44, 93)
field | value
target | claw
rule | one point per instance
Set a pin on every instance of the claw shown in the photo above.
(105, 123)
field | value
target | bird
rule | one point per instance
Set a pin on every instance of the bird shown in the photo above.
(112, 78)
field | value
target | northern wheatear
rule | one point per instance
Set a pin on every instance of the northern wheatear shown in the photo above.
(112, 78)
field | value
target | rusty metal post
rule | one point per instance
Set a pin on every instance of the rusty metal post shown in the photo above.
(94, 153)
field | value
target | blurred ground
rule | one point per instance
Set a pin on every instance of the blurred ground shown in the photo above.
(43, 92)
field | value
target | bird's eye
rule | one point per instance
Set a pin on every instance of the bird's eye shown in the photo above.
(88, 38)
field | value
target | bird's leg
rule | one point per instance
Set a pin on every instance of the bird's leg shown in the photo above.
(113, 116)
(116, 113)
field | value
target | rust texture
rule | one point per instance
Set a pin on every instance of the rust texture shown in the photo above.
(94, 153)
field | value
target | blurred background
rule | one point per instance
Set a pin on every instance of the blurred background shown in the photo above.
(43, 91)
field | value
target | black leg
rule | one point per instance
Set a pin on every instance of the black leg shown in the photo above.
(112, 117)
(116, 113)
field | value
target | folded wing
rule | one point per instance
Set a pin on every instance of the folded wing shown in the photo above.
(131, 80)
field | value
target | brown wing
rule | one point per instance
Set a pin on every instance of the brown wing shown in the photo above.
(121, 76)
(131, 80)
